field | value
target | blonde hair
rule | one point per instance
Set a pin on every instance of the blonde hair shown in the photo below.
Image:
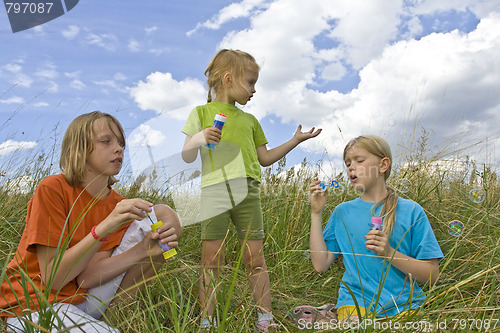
(379, 147)
(78, 142)
(225, 61)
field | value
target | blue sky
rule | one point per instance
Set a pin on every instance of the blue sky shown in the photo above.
(385, 67)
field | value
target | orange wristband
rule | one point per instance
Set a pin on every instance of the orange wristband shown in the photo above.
(101, 239)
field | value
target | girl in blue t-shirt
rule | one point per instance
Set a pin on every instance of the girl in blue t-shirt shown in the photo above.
(382, 266)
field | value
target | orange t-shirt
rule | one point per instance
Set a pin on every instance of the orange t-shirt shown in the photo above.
(57, 213)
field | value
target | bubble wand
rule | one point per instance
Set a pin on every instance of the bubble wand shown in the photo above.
(168, 251)
(333, 183)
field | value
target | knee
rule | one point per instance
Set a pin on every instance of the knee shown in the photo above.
(169, 217)
(255, 263)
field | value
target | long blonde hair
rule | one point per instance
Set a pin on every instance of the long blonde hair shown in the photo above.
(235, 62)
(78, 142)
(379, 147)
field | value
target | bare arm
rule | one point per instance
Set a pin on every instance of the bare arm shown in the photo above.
(103, 267)
(268, 157)
(59, 269)
(193, 143)
(424, 271)
(320, 256)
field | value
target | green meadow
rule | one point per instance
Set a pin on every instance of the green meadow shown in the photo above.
(466, 297)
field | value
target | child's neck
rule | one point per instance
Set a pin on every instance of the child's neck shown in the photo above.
(98, 187)
(375, 194)
(224, 98)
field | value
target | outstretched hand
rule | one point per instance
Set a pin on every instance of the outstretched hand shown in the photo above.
(303, 136)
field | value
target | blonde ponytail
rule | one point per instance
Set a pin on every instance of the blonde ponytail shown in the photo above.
(388, 211)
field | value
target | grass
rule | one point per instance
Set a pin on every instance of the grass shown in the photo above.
(466, 297)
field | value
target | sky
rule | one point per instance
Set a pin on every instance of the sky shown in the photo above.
(399, 69)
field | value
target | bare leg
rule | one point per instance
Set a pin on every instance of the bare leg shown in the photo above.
(258, 275)
(135, 279)
(212, 258)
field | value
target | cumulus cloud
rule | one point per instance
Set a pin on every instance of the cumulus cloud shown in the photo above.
(446, 82)
(436, 82)
(10, 146)
(147, 136)
(162, 93)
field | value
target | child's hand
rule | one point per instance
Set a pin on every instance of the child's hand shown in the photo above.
(303, 136)
(376, 240)
(317, 196)
(150, 246)
(167, 234)
(125, 211)
(212, 135)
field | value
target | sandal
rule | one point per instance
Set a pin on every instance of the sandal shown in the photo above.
(313, 314)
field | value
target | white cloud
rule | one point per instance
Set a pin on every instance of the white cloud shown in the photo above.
(106, 41)
(151, 30)
(47, 71)
(73, 75)
(435, 82)
(12, 100)
(161, 92)
(71, 32)
(134, 45)
(147, 136)
(231, 12)
(13, 68)
(9, 146)
(77, 84)
(40, 104)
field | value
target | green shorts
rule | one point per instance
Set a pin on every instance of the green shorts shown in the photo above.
(236, 200)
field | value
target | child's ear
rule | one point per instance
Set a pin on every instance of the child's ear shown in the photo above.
(227, 79)
(384, 164)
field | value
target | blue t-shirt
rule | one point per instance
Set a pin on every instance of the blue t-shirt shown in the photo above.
(368, 276)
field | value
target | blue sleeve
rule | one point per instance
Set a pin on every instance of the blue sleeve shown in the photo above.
(424, 244)
(329, 234)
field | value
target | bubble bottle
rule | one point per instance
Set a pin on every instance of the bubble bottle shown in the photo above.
(219, 121)
(376, 223)
(168, 251)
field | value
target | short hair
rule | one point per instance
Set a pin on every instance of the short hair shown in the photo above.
(78, 143)
(235, 62)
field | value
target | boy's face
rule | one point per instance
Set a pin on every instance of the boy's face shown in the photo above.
(244, 88)
(106, 157)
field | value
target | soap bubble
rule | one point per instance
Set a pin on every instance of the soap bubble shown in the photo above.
(455, 228)
(403, 185)
(307, 254)
(476, 195)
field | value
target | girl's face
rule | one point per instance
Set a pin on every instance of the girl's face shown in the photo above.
(107, 156)
(363, 168)
(243, 88)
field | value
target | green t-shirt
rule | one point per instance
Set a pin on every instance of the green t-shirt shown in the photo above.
(236, 155)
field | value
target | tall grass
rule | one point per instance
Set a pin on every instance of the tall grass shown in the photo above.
(465, 298)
